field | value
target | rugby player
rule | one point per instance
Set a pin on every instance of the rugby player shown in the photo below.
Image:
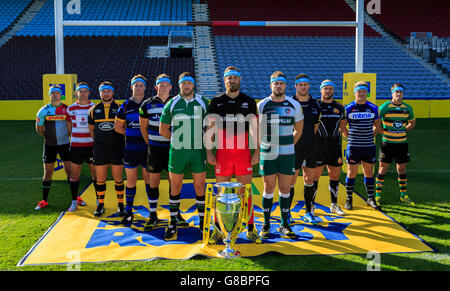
(230, 111)
(51, 125)
(305, 148)
(281, 125)
(135, 155)
(397, 118)
(328, 136)
(108, 146)
(81, 142)
(182, 123)
(364, 122)
(158, 146)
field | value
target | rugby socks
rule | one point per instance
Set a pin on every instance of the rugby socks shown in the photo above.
(369, 182)
(250, 224)
(267, 202)
(130, 193)
(334, 188)
(402, 183)
(200, 201)
(309, 196)
(153, 196)
(119, 187)
(291, 196)
(350, 186)
(101, 189)
(284, 207)
(74, 185)
(379, 185)
(174, 208)
(46, 189)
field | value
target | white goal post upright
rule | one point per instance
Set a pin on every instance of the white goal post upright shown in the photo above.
(358, 24)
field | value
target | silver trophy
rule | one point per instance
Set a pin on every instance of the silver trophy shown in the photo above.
(227, 209)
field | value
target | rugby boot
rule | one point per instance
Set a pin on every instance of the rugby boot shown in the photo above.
(120, 210)
(265, 231)
(286, 231)
(309, 217)
(127, 218)
(73, 206)
(254, 237)
(80, 201)
(171, 232)
(405, 199)
(152, 223)
(41, 204)
(100, 210)
(181, 222)
(371, 202)
(334, 208)
(349, 203)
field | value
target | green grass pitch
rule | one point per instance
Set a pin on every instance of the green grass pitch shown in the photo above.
(428, 184)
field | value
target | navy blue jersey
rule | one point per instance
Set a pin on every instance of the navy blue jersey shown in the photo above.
(129, 112)
(361, 118)
(311, 111)
(151, 109)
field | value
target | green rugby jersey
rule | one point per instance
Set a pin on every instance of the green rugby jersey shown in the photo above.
(282, 116)
(186, 121)
(394, 121)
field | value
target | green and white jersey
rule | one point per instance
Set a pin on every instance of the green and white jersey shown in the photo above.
(186, 121)
(394, 121)
(276, 120)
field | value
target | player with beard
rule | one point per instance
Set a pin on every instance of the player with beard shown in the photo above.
(284, 116)
(182, 123)
(108, 146)
(233, 118)
(328, 137)
(305, 148)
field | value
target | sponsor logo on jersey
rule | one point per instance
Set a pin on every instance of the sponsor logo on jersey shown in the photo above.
(106, 126)
(361, 115)
(55, 117)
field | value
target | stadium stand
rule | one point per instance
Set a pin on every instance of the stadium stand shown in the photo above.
(11, 11)
(43, 23)
(96, 54)
(289, 10)
(115, 59)
(404, 17)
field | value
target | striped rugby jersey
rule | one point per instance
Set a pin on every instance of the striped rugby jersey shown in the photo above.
(53, 119)
(360, 119)
(283, 116)
(129, 113)
(78, 115)
(394, 120)
(152, 109)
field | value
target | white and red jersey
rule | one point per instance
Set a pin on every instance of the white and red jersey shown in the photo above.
(78, 115)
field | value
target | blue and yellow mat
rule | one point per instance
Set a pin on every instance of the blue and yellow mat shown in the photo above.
(81, 237)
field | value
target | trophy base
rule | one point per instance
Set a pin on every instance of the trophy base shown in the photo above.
(229, 254)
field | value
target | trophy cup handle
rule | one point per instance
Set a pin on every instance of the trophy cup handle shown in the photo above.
(245, 214)
(207, 220)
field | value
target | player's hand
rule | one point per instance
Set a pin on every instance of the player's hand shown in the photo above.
(255, 158)
(211, 158)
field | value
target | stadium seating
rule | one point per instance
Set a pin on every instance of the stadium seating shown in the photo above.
(323, 58)
(10, 11)
(93, 59)
(287, 10)
(403, 17)
(170, 10)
